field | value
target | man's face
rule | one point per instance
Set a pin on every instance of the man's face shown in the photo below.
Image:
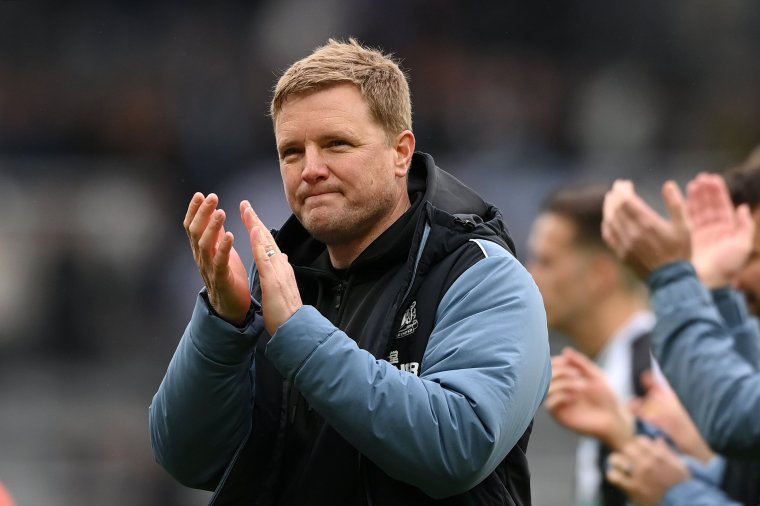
(343, 179)
(560, 268)
(748, 279)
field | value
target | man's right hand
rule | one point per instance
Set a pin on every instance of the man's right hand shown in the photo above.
(639, 235)
(581, 399)
(221, 268)
(721, 236)
(661, 407)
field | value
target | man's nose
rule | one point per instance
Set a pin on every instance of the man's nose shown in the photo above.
(315, 167)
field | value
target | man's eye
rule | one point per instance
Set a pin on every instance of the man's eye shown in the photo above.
(288, 153)
(336, 143)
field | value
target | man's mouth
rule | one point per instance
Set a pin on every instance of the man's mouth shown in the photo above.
(318, 195)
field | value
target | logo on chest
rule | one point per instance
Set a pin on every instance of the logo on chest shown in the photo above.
(408, 321)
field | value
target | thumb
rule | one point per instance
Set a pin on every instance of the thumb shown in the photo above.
(675, 203)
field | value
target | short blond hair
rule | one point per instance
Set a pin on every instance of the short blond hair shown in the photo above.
(378, 76)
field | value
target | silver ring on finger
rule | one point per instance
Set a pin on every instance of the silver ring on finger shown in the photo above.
(270, 253)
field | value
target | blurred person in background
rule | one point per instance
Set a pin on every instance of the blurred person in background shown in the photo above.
(598, 303)
(702, 267)
(389, 350)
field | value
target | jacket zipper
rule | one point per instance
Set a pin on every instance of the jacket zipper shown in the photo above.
(340, 292)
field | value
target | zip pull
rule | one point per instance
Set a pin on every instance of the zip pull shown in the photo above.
(466, 223)
(340, 289)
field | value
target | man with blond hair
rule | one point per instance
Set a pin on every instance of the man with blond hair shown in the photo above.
(388, 349)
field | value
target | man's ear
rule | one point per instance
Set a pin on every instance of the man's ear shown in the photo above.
(404, 145)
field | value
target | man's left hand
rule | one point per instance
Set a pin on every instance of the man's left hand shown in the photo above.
(279, 291)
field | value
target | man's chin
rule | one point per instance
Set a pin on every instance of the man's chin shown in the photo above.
(324, 231)
(319, 221)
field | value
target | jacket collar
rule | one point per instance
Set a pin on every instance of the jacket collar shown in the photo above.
(436, 196)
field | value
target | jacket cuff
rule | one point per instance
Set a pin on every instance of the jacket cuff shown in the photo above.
(296, 339)
(676, 285)
(219, 340)
(685, 492)
(731, 305)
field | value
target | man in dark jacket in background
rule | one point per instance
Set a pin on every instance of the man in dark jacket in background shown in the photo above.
(389, 348)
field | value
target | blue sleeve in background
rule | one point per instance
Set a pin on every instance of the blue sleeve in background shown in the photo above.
(697, 352)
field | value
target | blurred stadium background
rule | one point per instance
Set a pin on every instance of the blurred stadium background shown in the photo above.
(112, 114)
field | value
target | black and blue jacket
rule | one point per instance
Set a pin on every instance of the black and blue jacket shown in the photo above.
(412, 377)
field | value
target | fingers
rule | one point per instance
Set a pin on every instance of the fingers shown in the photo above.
(211, 236)
(620, 470)
(574, 366)
(674, 202)
(622, 210)
(609, 226)
(627, 209)
(198, 215)
(623, 464)
(567, 383)
(624, 187)
(700, 199)
(562, 367)
(249, 216)
(252, 221)
(556, 400)
(222, 258)
(620, 191)
(582, 363)
(279, 290)
(562, 391)
(640, 447)
(204, 224)
(713, 218)
(263, 245)
(192, 209)
(723, 198)
(266, 254)
(636, 217)
(708, 200)
(611, 237)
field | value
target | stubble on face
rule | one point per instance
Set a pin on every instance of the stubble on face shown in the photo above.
(335, 226)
